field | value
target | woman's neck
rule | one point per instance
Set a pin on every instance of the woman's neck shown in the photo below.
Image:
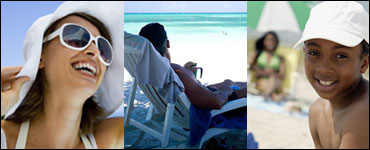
(269, 52)
(59, 124)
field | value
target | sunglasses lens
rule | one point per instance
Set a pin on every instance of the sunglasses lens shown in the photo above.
(105, 50)
(76, 36)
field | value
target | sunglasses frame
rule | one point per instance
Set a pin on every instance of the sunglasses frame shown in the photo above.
(59, 32)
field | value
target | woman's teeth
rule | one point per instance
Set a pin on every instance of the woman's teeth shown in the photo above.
(85, 67)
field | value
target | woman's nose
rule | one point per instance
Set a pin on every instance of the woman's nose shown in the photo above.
(92, 51)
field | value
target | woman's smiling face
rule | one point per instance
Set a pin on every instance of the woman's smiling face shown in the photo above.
(60, 62)
(270, 42)
(332, 69)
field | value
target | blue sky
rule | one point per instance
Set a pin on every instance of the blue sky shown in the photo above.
(185, 6)
(17, 17)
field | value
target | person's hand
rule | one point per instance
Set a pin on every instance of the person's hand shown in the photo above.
(226, 89)
(189, 65)
(10, 87)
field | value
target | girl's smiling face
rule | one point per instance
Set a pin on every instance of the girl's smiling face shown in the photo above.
(333, 69)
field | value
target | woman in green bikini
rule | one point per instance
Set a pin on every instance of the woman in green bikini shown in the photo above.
(268, 67)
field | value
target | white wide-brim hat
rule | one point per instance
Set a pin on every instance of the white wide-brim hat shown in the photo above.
(343, 22)
(109, 95)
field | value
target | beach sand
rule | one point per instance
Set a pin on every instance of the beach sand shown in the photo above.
(281, 130)
(277, 131)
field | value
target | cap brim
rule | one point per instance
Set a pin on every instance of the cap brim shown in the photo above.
(335, 35)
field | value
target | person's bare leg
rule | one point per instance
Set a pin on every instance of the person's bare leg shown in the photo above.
(261, 86)
(270, 86)
(277, 96)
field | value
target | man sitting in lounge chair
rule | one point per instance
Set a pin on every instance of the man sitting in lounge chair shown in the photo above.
(210, 97)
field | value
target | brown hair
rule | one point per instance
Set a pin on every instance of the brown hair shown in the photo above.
(33, 103)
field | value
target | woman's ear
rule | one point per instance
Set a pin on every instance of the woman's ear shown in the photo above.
(42, 63)
(364, 63)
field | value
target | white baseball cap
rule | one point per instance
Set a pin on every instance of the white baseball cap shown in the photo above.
(343, 22)
(109, 95)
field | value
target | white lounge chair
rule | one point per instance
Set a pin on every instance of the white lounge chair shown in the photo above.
(163, 117)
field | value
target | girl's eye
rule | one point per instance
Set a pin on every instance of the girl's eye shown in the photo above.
(313, 53)
(341, 56)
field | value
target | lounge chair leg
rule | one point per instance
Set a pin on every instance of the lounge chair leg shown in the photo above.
(130, 105)
(138, 140)
(167, 124)
(149, 115)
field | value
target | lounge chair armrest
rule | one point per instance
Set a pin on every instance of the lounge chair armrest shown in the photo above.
(230, 106)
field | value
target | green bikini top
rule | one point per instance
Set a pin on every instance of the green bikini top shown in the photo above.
(273, 64)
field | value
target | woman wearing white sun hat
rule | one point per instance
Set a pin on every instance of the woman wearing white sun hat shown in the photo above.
(71, 81)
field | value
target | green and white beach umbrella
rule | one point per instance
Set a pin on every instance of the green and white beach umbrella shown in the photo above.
(278, 15)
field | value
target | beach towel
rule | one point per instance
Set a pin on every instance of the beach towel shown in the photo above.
(201, 121)
(153, 69)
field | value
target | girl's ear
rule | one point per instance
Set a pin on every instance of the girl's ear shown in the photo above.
(364, 63)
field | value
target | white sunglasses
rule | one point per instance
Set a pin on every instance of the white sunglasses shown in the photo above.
(76, 37)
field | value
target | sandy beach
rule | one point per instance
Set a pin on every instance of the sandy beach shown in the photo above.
(277, 131)
(274, 127)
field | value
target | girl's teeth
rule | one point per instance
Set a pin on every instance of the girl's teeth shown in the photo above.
(326, 83)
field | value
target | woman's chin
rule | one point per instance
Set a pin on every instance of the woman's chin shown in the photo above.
(84, 89)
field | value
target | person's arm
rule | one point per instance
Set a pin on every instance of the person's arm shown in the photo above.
(252, 59)
(355, 134)
(10, 87)
(200, 95)
(281, 73)
(313, 117)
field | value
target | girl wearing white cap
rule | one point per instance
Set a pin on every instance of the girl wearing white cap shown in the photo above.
(71, 81)
(336, 47)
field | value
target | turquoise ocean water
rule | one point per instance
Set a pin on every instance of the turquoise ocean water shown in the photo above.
(189, 23)
(204, 38)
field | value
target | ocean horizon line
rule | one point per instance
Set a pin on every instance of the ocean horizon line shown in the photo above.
(185, 12)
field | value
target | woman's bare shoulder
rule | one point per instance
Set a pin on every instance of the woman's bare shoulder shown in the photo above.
(109, 125)
(109, 133)
(11, 131)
